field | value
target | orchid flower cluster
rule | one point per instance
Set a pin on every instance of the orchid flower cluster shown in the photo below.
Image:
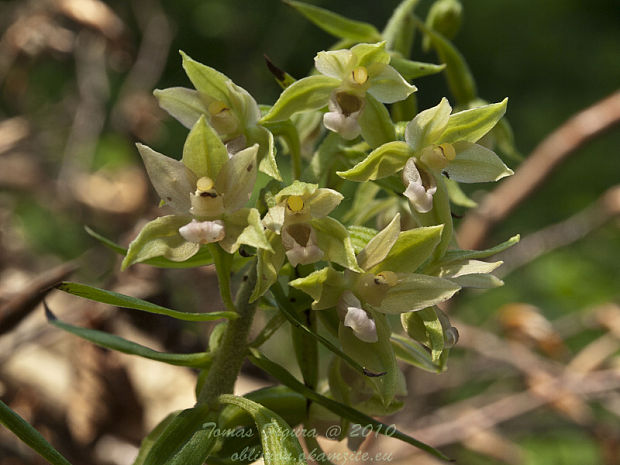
(337, 211)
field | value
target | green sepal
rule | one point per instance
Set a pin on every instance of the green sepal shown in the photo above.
(413, 353)
(244, 227)
(410, 250)
(184, 105)
(237, 177)
(457, 196)
(380, 163)
(310, 93)
(399, 30)
(375, 356)
(380, 245)
(471, 125)
(425, 327)
(280, 445)
(415, 69)
(158, 238)
(206, 80)
(268, 265)
(124, 301)
(204, 153)
(349, 413)
(428, 125)
(416, 291)
(375, 123)
(110, 341)
(334, 241)
(460, 79)
(266, 152)
(325, 286)
(475, 163)
(30, 436)
(202, 257)
(337, 25)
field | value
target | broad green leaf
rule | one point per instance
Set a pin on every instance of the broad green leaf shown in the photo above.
(428, 125)
(280, 444)
(204, 153)
(170, 178)
(289, 313)
(147, 443)
(179, 438)
(475, 163)
(375, 356)
(336, 24)
(413, 353)
(325, 286)
(185, 105)
(411, 249)
(110, 341)
(471, 125)
(125, 301)
(415, 292)
(377, 127)
(333, 239)
(457, 255)
(30, 436)
(458, 75)
(379, 246)
(399, 30)
(457, 196)
(382, 162)
(425, 327)
(310, 93)
(202, 257)
(161, 237)
(206, 80)
(282, 375)
(244, 227)
(415, 69)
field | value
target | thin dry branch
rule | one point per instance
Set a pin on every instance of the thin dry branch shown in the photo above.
(553, 150)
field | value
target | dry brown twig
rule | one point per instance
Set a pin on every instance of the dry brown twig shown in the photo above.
(554, 149)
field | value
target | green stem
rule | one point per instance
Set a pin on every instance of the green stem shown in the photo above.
(234, 346)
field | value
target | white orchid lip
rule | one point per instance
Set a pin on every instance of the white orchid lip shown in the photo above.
(357, 318)
(421, 186)
(299, 241)
(345, 109)
(203, 232)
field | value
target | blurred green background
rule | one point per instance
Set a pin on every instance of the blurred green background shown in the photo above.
(75, 96)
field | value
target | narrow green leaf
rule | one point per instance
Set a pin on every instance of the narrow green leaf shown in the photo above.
(380, 163)
(289, 313)
(457, 255)
(202, 257)
(415, 69)
(337, 25)
(119, 344)
(125, 301)
(147, 443)
(310, 93)
(30, 436)
(282, 375)
(280, 445)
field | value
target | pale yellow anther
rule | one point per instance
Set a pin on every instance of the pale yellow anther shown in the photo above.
(216, 107)
(295, 203)
(204, 184)
(360, 75)
(448, 151)
(388, 278)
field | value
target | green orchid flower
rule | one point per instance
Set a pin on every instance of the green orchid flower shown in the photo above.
(386, 283)
(351, 83)
(300, 231)
(228, 108)
(207, 191)
(437, 142)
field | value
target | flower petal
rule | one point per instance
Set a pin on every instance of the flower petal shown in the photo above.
(203, 232)
(388, 86)
(237, 177)
(420, 194)
(357, 319)
(475, 163)
(334, 63)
